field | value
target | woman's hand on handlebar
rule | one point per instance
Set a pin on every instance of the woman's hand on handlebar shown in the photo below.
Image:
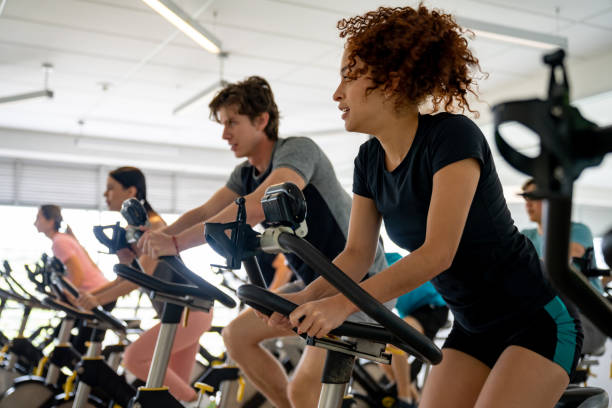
(318, 317)
(156, 244)
(87, 301)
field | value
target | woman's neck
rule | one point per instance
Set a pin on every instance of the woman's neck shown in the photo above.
(51, 234)
(397, 135)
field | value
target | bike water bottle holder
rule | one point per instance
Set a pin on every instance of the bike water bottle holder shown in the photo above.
(116, 241)
(284, 208)
(242, 242)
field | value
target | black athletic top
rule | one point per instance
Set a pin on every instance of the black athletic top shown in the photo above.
(495, 275)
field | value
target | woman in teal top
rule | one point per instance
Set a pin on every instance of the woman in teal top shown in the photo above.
(425, 310)
(581, 237)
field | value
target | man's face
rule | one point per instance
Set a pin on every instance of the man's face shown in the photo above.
(241, 134)
(533, 207)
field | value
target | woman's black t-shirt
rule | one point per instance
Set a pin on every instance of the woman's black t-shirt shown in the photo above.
(495, 276)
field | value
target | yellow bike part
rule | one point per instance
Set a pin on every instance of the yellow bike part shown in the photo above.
(204, 388)
(3, 351)
(69, 386)
(240, 393)
(41, 366)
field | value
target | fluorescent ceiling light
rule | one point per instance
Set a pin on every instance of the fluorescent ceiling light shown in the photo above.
(513, 35)
(181, 20)
(44, 93)
(196, 101)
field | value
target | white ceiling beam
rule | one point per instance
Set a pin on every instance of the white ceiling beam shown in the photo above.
(67, 148)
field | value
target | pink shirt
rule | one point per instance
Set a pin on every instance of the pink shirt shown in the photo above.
(65, 247)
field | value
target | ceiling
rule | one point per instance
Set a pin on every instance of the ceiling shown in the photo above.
(120, 69)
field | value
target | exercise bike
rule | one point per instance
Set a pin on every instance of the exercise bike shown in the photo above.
(194, 293)
(568, 144)
(53, 388)
(282, 208)
(20, 356)
(221, 375)
(285, 209)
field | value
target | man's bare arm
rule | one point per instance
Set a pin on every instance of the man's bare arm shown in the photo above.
(159, 244)
(221, 199)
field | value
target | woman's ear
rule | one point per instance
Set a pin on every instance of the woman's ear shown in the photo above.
(390, 88)
(132, 191)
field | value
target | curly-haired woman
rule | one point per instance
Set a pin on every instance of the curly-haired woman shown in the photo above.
(432, 179)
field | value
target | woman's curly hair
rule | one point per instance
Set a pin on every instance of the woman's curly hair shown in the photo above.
(424, 52)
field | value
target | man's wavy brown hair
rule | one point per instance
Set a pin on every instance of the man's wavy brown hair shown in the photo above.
(252, 97)
(424, 51)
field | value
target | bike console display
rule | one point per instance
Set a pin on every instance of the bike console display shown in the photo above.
(136, 216)
(284, 204)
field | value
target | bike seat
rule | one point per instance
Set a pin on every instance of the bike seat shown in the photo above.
(205, 287)
(176, 292)
(583, 397)
(98, 317)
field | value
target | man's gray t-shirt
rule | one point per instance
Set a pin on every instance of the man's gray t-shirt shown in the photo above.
(329, 205)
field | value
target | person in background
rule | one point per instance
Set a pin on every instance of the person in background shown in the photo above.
(121, 184)
(282, 274)
(581, 239)
(81, 271)
(276, 273)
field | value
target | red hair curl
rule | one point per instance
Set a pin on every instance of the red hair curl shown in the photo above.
(415, 53)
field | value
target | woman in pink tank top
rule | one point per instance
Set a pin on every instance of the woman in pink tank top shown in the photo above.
(80, 269)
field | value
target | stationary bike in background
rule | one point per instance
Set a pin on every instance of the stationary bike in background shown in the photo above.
(39, 389)
(225, 379)
(193, 292)
(99, 385)
(568, 144)
(19, 355)
(49, 387)
(593, 345)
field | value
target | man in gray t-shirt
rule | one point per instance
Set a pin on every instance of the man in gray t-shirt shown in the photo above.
(250, 117)
(327, 202)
